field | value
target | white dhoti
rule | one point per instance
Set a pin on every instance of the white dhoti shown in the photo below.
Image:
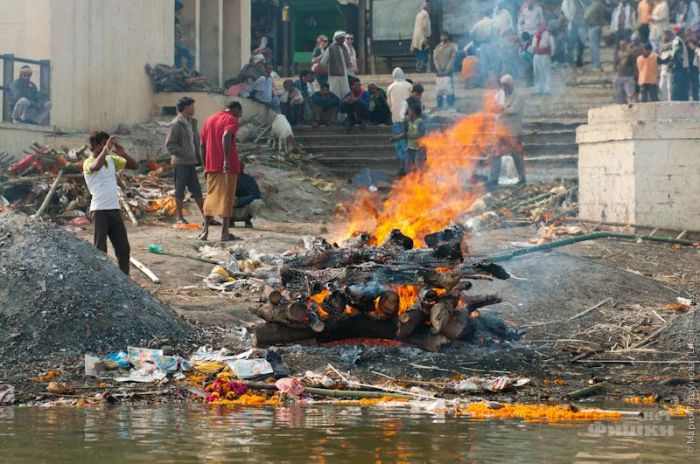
(28, 111)
(542, 65)
(339, 86)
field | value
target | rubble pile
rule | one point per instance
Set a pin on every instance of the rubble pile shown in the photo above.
(62, 298)
(171, 79)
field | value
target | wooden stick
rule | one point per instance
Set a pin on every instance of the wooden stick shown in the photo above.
(127, 208)
(585, 392)
(142, 267)
(50, 194)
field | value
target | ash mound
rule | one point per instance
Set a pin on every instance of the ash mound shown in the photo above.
(60, 298)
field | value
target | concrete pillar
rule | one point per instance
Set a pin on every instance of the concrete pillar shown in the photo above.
(208, 38)
(223, 38)
(236, 36)
(640, 164)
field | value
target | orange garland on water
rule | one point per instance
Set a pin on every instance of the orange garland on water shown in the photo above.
(535, 412)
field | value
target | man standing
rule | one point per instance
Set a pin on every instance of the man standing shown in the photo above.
(647, 69)
(679, 64)
(352, 54)
(335, 59)
(542, 49)
(623, 21)
(421, 37)
(248, 200)
(643, 18)
(324, 106)
(444, 58)
(530, 17)
(182, 142)
(510, 105)
(397, 93)
(595, 20)
(221, 166)
(100, 172)
(181, 50)
(573, 11)
(693, 75)
(28, 105)
(660, 22)
(625, 69)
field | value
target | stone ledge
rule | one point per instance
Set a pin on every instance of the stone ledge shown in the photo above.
(675, 111)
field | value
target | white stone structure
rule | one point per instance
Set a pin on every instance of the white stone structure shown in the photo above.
(640, 164)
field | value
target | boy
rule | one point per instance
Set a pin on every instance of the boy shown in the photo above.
(100, 171)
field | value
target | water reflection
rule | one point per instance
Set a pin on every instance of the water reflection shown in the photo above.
(316, 434)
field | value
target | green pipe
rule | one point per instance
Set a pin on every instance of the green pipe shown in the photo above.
(585, 238)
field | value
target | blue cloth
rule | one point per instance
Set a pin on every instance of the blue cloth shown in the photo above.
(181, 51)
(401, 145)
(594, 36)
(363, 102)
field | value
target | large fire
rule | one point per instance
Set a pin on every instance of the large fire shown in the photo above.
(433, 197)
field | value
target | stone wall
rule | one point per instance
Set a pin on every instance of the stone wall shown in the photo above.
(640, 164)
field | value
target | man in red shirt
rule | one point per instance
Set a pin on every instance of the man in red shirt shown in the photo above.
(221, 166)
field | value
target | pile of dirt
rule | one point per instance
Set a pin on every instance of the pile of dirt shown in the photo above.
(60, 298)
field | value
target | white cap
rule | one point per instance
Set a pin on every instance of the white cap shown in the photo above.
(338, 34)
(507, 79)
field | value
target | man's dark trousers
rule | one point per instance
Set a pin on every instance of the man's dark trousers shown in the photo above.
(109, 223)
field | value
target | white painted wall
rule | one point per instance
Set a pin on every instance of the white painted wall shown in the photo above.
(25, 28)
(99, 49)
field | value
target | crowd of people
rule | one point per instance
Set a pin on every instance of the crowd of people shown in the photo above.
(527, 39)
(328, 93)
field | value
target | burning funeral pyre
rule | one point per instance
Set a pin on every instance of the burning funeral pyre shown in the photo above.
(403, 270)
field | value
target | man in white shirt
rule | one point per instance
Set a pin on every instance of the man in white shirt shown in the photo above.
(100, 172)
(397, 93)
(352, 54)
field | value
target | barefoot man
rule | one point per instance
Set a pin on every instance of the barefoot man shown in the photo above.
(221, 166)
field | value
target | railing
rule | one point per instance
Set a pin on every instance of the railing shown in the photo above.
(8, 76)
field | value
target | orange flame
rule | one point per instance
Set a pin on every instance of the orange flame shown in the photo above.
(408, 295)
(437, 194)
(318, 299)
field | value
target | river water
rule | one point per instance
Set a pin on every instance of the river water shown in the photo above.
(323, 434)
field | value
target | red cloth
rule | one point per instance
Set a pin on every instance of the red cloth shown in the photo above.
(212, 137)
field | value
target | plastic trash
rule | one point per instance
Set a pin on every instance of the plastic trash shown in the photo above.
(250, 368)
(156, 249)
(290, 386)
(7, 394)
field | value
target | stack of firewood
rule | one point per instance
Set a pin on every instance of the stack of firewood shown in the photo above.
(390, 291)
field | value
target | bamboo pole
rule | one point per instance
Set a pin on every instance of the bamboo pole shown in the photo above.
(49, 195)
(142, 267)
(584, 238)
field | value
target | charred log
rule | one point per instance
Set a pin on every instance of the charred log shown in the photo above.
(314, 317)
(271, 294)
(358, 241)
(335, 302)
(399, 240)
(336, 328)
(474, 302)
(483, 267)
(278, 314)
(460, 326)
(452, 234)
(339, 258)
(295, 312)
(389, 303)
(441, 312)
(410, 320)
